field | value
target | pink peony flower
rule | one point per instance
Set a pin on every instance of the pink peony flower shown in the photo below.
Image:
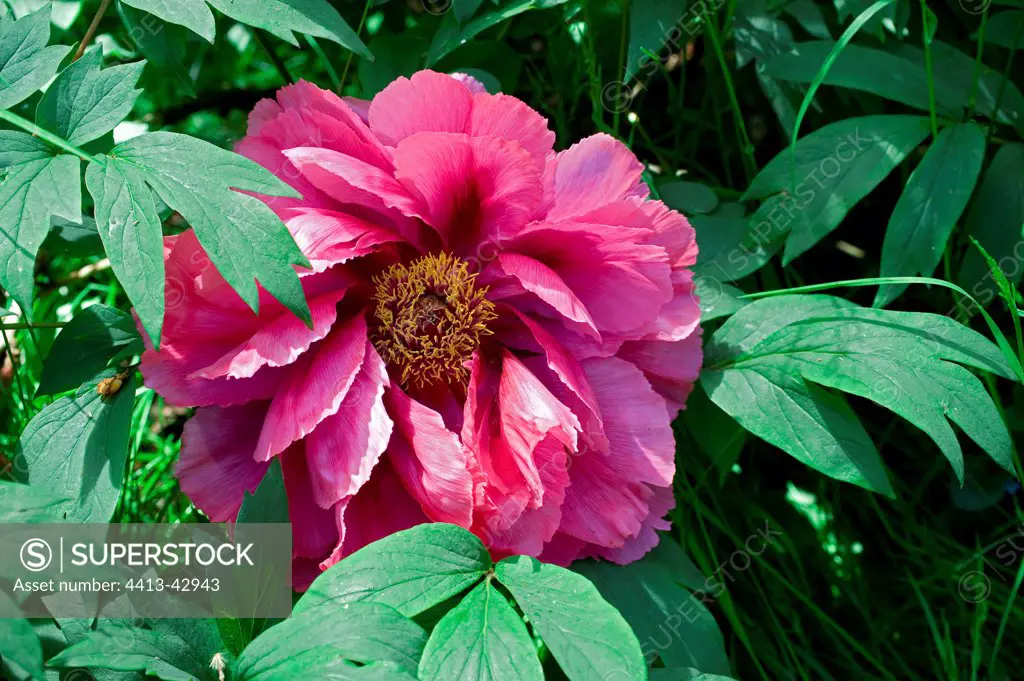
(501, 338)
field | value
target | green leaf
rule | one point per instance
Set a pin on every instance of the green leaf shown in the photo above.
(269, 504)
(21, 646)
(129, 225)
(688, 197)
(165, 45)
(86, 101)
(717, 434)
(329, 642)
(38, 187)
(193, 14)
(909, 363)
(450, 34)
(716, 299)
(4, 312)
(760, 35)
(870, 70)
(410, 570)
(651, 22)
(465, 9)
(86, 346)
(954, 71)
(77, 447)
(73, 240)
(587, 636)
(282, 17)
(809, 15)
(996, 220)
(481, 639)
(685, 674)
(930, 206)
(670, 623)
(835, 167)
(732, 246)
(171, 651)
(245, 240)
(1005, 29)
(26, 63)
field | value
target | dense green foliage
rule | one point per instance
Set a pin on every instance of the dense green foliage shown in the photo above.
(855, 174)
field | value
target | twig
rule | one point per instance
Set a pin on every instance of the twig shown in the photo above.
(92, 29)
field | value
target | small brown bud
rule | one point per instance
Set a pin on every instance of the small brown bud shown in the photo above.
(109, 386)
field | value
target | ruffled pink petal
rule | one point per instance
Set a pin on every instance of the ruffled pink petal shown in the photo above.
(348, 180)
(329, 238)
(315, 387)
(381, 508)
(428, 102)
(315, 531)
(216, 465)
(601, 506)
(581, 398)
(562, 550)
(360, 107)
(530, 275)
(469, 82)
(343, 449)
(671, 368)
(641, 444)
(508, 118)
(647, 538)
(473, 190)
(591, 173)
(278, 343)
(534, 527)
(622, 281)
(681, 315)
(430, 459)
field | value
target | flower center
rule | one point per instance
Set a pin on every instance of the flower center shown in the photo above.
(431, 316)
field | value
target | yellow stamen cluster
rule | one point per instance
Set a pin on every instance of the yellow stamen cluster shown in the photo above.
(431, 315)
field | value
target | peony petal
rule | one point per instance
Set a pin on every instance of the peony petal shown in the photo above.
(315, 387)
(381, 508)
(216, 465)
(428, 102)
(328, 237)
(533, 527)
(671, 368)
(622, 281)
(278, 343)
(601, 507)
(647, 538)
(349, 180)
(508, 118)
(642, 447)
(540, 280)
(314, 528)
(595, 171)
(475, 191)
(430, 459)
(343, 449)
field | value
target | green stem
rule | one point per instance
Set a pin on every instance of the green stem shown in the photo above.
(749, 164)
(47, 136)
(331, 72)
(359, 32)
(928, 67)
(282, 68)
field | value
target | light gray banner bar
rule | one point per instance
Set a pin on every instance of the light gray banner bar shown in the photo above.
(147, 571)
